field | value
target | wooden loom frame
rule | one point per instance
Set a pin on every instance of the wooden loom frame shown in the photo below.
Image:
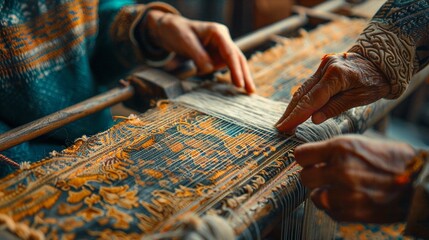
(58, 119)
(120, 94)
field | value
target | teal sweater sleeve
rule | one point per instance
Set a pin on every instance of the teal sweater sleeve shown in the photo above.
(118, 49)
(107, 60)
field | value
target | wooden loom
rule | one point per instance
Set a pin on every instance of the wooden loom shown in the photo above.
(148, 174)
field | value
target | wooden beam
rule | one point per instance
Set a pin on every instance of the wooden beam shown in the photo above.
(58, 119)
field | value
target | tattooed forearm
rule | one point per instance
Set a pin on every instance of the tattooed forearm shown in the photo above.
(397, 41)
(393, 55)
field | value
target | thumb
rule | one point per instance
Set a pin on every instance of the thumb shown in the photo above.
(336, 105)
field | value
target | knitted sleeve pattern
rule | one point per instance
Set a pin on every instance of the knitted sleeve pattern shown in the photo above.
(117, 50)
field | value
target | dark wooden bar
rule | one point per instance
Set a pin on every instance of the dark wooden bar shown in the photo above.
(58, 119)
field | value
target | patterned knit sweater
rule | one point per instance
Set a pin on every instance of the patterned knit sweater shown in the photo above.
(56, 53)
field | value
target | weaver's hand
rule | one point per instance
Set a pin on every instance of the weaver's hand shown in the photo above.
(208, 44)
(341, 82)
(357, 179)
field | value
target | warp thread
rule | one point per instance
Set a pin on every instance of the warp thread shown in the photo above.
(309, 132)
(19, 230)
(247, 111)
(317, 223)
(254, 112)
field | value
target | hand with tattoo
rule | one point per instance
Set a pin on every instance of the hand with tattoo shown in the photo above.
(341, 82)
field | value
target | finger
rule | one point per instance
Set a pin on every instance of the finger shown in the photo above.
(316, 177)
(195, 50)
(341, 203)
(364, 180)
(231, 57)
(217, 37)
(341, 198)
(339, 104)
(319, 196)
(369, 214)
(305, 107)
(315, 99)
(350, 206)
(305, 87)
(310, 154)
(248, 80)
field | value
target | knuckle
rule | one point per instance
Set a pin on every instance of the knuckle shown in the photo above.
(171, 21)
(229, 53)
(335, 67)
(341, 145)
(217, 28)
(305, 101)
(348, 176)
(335, 108)
(298, 93)
(221, 27)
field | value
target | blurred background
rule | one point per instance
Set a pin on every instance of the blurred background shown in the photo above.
(241, 16)
(408, 122)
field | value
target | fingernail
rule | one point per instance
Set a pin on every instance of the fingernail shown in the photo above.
(287, 131)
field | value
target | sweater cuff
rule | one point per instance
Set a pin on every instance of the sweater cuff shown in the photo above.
(392, 52)
(144, 46)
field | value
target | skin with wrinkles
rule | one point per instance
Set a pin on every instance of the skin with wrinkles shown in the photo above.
(355, 179)
(208, 44)
(341, 82)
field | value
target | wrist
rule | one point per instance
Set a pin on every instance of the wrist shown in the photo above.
(389, 51)
(152, 23)
(373, 73)
(144, 34)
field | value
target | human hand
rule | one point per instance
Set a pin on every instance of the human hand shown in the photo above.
(208, 44)
(341, 82)
(358, 179)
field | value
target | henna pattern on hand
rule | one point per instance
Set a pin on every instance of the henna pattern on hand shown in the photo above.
(393, 55)
(396, 41)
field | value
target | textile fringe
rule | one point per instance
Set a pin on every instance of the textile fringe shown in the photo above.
(317, 223)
